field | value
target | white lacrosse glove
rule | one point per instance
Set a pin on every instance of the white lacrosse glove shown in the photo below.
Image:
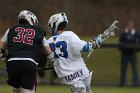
(51, 59)
(3, 55)
(96, 42)
(99, 39)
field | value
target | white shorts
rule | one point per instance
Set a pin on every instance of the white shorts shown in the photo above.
(78, 78)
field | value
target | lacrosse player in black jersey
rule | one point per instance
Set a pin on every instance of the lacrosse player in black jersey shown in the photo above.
(24, 43)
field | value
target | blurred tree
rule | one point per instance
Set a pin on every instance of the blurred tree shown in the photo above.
(88, 16)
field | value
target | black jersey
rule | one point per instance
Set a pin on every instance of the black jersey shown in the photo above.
(25, 41)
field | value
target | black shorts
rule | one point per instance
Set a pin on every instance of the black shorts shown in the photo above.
(21, 74)
(42, 64)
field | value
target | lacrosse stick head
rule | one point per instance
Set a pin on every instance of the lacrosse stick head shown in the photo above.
(106, 34)
(111, 30)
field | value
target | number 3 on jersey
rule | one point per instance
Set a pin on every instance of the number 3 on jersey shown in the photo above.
(62, 45)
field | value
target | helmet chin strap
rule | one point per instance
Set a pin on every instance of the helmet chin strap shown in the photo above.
(59, 32)
(53, 31)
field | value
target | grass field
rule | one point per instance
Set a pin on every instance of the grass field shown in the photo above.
(64, 89)
(105, 63)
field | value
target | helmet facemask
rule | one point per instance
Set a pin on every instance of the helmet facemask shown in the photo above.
(62, 26)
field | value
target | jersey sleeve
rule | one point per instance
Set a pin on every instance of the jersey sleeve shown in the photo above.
(45, 42)
(4, 38)
(76, 43)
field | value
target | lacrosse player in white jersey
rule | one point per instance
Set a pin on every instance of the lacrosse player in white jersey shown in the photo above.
(66, 45)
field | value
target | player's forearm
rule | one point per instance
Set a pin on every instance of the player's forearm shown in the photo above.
(47, 50)
(93, 44)
(3, 45)
(49, 53)
(90, 45)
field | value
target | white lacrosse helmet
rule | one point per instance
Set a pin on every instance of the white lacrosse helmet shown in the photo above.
(55, 20)
(29, 16)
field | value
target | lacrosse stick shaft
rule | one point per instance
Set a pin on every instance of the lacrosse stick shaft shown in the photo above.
(47, 68)
(90, 52)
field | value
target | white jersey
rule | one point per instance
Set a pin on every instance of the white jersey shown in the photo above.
(67, 47)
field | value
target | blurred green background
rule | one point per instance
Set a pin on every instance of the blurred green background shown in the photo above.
(87, 18)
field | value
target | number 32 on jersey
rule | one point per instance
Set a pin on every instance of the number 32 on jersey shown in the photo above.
(24, 35)
(62, 47)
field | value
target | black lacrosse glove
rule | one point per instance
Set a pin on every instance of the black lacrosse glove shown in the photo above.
(3, 55)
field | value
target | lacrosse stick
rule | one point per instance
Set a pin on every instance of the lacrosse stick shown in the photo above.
(106, 34)
(45, 68)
